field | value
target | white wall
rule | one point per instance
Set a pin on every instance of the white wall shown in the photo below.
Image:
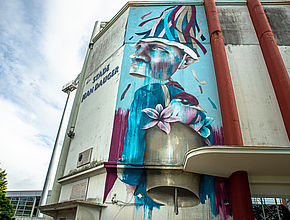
(108, 43)
(96, 116)
(259, 113)
(96, 113)
(96, 188)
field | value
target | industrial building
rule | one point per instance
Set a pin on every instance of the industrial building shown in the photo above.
(181, 112)
(25, 202)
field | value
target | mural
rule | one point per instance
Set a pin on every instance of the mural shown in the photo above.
(167, 80)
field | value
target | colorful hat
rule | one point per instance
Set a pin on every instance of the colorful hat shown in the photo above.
(177, 26)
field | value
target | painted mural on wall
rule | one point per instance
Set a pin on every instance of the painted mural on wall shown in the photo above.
(167, 78)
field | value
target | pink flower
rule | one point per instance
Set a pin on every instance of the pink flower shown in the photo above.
(161, 117)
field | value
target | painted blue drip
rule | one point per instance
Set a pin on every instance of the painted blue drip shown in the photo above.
(145, 199)
(207, 191)
(133, 176)
(137, 176)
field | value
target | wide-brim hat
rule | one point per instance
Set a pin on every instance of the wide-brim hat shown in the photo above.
(181, 46)
(176, 26)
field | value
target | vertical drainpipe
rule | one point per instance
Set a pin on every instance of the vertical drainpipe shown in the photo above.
(238, 181)
(275, 65)
(230, 118)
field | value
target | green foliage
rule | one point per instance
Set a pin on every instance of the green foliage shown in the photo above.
(6, 208)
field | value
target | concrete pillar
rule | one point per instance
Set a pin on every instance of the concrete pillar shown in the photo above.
(240, 196)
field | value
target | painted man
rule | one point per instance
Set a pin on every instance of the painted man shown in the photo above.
(171, 44)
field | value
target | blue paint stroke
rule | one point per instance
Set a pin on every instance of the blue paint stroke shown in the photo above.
(131, 38)
(135, 175)
(212, 103)
(167, 30)
(207, 191)
(145, 200)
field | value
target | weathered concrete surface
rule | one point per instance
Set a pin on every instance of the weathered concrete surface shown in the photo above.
(279, 20)
(259, 113)
(91, 131)
(236, 25)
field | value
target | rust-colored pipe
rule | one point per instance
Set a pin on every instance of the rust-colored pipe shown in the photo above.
(230, 118)
(275, 65)
(240, 196)
(239, 185)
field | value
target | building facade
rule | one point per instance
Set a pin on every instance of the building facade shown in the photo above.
(181, 113)
(25, 202)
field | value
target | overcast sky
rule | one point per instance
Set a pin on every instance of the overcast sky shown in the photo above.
(42, 47)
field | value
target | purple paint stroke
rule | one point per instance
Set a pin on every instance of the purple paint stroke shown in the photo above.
(117, 142)
(119, 130)
(200, 89)
(174, 83)
(125, 91)
(145, 15)
(218, 136)
(173, 16)
(144, 22)
(110, 179)
(184, 95)
(223, 207)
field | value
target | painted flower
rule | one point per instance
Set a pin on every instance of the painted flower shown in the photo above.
(201, 126)
(160, 117)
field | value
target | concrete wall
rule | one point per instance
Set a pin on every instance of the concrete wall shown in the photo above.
(91, 131)
(90, 213)
(65, 192)
(95, 189)
(108, 43)
(279, 19)
(259, 113)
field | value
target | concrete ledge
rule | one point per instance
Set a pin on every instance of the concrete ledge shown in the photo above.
(67, 206)
(224, 160)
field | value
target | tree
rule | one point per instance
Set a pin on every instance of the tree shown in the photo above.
(6, 208)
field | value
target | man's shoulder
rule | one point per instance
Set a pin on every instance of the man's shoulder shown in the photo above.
(151, 87)
(158, 86)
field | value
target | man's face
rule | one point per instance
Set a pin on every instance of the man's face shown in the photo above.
(155, 59)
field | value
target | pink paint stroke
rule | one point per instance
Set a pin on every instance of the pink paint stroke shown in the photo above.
(117, 142)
